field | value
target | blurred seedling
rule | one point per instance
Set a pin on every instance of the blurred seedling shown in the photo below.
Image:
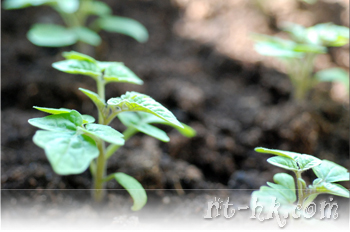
(75, 14)
(73, 142)
(283, 191)
(299, 54)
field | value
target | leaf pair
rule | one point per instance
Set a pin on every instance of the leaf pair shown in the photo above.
(69, 139)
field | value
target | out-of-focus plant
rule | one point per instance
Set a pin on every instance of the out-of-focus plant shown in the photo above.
(75, 14)
(283, 191)
(73, 142)
(299, 53)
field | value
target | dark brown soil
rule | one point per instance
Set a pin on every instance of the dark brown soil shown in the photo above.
(234, 106)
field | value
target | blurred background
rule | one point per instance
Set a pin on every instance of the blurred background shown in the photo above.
(200, 63)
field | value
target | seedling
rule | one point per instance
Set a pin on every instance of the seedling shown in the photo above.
(299, 54)
(73, 142)
(75, 14)
(283, 190)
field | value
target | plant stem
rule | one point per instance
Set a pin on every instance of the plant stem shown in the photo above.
(300, 188)
(130, 131)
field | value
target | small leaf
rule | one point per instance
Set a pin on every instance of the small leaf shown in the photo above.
(126, 26)
(53, 110)
(105, 64)
(100, 104)
(328, 34)
(287, 154)
(104, 132)
(328, 171)
(134, 188)
(133, 101)
(297, 32)
(118, 72)
(334, 75)
(331, 188)
(97, 8)
(270, 49)
(283, 162)
(67, 152)
(73, 55)
(82, 67)
(285, 180)
(87, 36)
(58, 122)
(51, 35)
(87, 119)
(17, 4)
(306, 162)
(68, 6)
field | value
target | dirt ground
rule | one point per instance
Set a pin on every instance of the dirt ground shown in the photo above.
(198, 62)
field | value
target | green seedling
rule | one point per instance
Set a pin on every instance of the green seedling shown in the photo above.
(73, 142)
(283, 190)
(75, 14)
(299, 54)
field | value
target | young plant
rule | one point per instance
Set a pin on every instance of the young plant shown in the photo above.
(73, 142)
(75, 14)
(283, 190)
(299, 53)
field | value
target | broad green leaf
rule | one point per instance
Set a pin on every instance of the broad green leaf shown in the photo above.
(82, 67)
(309, 48)
(73, 55)
(104, 132)
(328, 34)
(17, 4)
(88, 36)
(68, 6)
(134, 188)
(105, 64)
(331, 188)
(51, 35)
(58, 122)
(97, 8)
(67, 152)
(88, 118)
(285, 180)
(126, 26)
(133, 101)
(53, 110)
(334, 75)
(328, 171)
(100, 104)
(118, 72)
(270, 49)
(306, 162)
(283, 162)
(139, 122)
(288, 154)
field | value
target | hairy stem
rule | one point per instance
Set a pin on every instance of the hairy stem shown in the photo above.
(300, 188)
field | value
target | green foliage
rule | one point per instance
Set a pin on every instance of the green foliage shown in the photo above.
(283, 191)
(75, 14)
(299, 53)
(73, 142)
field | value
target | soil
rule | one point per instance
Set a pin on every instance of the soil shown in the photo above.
(234, 104)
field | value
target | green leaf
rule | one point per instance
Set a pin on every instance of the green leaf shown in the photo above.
(328, 171)
(328, 34)
(331, 188)
(82, 67)
(118, 72)
(53, 110)
(133, 101)
(73, 55)
(137, 121)
(100, 104)
(58, 122)
(51, 35)
(68, 6)
(283, 162)
(282, 192)
(104, 132)
(309, 48)
(87, 36)
(87, 119)
(134, 188)
(296, 31)
(334, 75)
(126, 26)
(306, 162)
(105, 64)
(17, 4)
(270, 49)
(288, 154)
(67, 152)
(97, 8)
